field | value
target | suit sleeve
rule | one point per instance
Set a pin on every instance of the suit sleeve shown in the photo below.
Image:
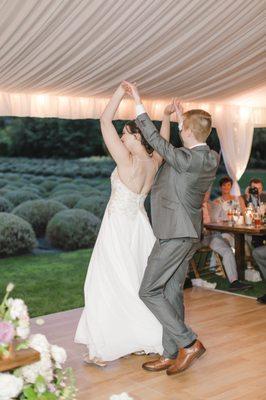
(179, 159)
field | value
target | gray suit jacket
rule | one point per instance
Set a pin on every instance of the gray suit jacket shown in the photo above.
(179, 186)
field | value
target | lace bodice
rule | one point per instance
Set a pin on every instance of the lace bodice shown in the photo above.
(123, 200)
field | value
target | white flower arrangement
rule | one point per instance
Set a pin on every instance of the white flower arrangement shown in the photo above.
(44, 367)
(17, 309)
(10, 386)
(44, 379)
(58, 355)
(14, 322)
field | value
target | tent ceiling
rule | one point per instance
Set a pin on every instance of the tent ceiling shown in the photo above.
(209, 50)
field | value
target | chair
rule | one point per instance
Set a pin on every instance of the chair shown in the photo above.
(202, 265)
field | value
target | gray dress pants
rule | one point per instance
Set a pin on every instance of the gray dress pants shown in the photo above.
(162, 290)
(217, 243)
(259, 255)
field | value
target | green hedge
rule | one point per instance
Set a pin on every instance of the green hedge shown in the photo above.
(65, 187)
(19, 196)
(3, 182)
(69, 200)
(5, 205)
(95, 204)
(16, 235)
(90, 167)
(38, 213)
(73, 229)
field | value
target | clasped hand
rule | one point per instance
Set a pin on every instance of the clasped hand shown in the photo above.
(175, 106)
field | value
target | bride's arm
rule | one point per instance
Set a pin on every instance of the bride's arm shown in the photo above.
(165, 128)
(178, 158)
(111, 138)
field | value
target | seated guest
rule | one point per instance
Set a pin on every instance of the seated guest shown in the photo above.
(217, 243)
(255, 191)
(227, 200)
(259, 255)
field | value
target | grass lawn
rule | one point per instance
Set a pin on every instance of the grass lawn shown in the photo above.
(47, 283)
(54, 282)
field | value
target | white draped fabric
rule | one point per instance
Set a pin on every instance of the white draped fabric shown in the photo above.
(45, 105)
(198, 50)
(64, 58)
(235, 126)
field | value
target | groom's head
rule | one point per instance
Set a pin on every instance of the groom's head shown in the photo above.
(197, 126)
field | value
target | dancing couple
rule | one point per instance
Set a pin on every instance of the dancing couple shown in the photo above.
(134, 285)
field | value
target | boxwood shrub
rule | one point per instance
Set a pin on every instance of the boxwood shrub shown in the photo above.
(95, 204)
(48, 184)
(38, 213)
(20, 196)
(73, 229)
(3, 182)
(16, 235)
(5, 205)
(69, 200)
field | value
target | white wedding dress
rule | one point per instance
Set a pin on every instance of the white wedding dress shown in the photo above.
(115, 322)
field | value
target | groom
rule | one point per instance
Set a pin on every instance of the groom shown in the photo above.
(176, 201)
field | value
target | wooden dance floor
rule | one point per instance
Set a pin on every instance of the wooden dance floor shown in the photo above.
(232, 328)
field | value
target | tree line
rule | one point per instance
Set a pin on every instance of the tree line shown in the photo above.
(64, 138)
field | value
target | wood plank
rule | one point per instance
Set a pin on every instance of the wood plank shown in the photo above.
(19, 359)
(231, 327)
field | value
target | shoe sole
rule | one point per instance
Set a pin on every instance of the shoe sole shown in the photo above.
(98, 364)
(154, 370)
(197, 356)
(240, 290)
(260, 302)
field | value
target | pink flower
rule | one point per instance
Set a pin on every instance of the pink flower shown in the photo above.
(7, 332)
(51, 387)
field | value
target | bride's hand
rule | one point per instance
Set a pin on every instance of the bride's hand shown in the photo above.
(170, 108)
(131, 89)
(122, 89)
(179, 110)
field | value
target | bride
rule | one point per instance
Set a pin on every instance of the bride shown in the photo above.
(115, 322)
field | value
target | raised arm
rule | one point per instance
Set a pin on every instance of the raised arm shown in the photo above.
(111, 138)
(177, 158)
(165, 128)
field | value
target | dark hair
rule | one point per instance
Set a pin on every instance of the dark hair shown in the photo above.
(133, 128)
(225, 179)
(255, 180)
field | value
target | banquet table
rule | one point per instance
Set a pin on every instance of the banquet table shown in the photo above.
(239, 232)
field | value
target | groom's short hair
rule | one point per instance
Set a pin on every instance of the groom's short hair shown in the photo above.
(199, 122)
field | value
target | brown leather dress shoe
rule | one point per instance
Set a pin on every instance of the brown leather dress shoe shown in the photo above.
(186, 357)
(159, 364)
